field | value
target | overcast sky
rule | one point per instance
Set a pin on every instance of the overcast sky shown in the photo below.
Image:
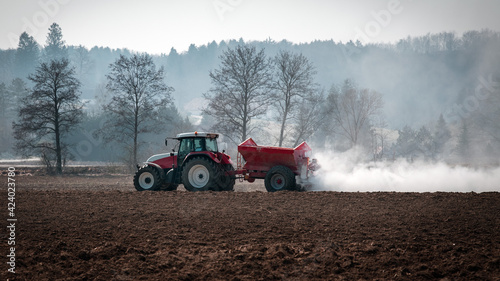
(155, 26)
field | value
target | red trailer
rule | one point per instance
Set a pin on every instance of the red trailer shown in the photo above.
(199, 165)
(281, 168)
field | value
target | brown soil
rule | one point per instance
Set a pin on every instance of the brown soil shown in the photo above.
(100, 228)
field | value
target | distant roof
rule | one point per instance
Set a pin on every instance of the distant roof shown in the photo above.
(197, 134)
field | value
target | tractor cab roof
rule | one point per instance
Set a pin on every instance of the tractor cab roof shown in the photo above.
(197, 135)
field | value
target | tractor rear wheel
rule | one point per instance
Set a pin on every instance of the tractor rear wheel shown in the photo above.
(199, 174)
(225, 182)
(280, 178)
(147, 178)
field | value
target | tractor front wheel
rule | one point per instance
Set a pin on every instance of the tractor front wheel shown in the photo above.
(147, 178)
(280, 178)
(199, 175)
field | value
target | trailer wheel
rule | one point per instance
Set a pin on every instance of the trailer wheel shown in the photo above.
(147, 178)
(280, 178)
(198, 175)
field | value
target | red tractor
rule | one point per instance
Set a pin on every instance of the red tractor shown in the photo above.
(199, 166)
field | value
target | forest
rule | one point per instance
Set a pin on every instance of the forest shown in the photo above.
(434, 97)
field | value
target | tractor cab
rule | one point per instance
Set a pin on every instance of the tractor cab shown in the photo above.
(194, 143)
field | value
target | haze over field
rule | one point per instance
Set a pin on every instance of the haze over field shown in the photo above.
(433, 65)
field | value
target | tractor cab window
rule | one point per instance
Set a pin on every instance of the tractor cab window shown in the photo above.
(186, 146)
(211, 144)
(198, 144)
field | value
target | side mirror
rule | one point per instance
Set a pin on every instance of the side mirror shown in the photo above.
(166, 142)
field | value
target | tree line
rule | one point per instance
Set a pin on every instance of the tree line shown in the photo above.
(248, 85)
(272, 95)
(50, 111)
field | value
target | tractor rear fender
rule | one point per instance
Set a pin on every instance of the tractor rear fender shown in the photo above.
(209, 155)
(225, 159)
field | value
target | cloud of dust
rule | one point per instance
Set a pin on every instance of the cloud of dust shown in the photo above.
(344, 172)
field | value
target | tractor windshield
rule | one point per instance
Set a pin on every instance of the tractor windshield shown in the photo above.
(211, 144)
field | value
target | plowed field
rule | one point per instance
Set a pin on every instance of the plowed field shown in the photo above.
(100, 228)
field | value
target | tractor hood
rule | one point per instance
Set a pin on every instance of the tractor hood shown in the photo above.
(160, 156)
(163, 161)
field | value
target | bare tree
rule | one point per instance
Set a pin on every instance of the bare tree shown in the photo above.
(487, 117)
(49, 112)
(82, 60)
(294, 84)
(310, 115)
(380, 135)
(138, 104)
(241, 91)
(351, 109)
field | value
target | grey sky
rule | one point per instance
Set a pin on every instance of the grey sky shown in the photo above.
(155, 26)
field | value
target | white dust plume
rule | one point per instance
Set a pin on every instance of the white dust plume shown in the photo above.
(344, 172)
